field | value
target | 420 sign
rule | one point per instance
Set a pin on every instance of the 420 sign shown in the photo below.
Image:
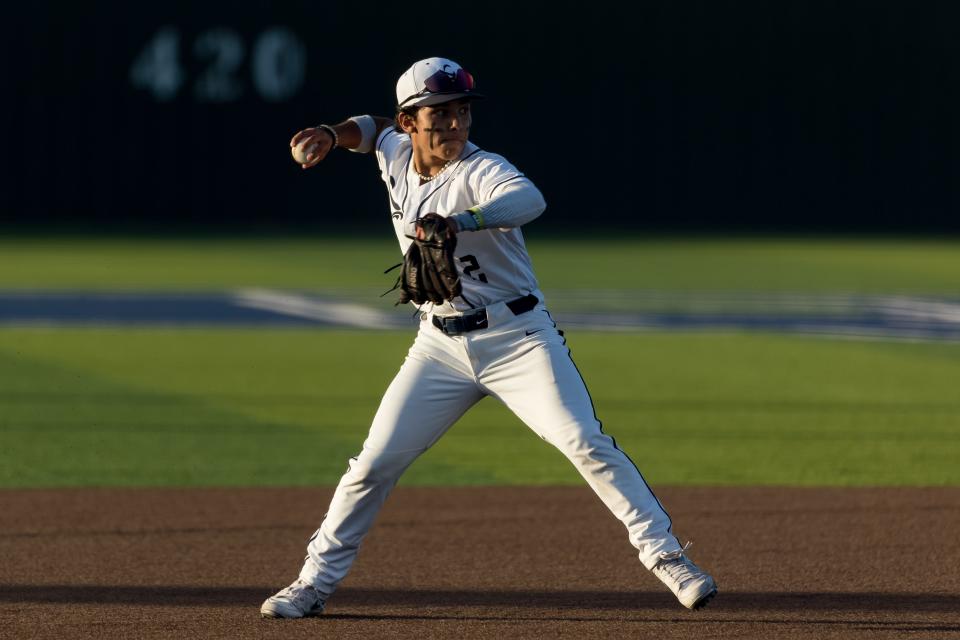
(216, 65)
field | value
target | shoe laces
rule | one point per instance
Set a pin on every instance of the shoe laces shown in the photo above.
(301, 593)
(676, 565)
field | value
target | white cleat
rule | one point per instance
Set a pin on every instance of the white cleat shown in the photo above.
(693, 586)
(299, 600)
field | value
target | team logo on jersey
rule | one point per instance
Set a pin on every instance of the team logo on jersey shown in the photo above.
(397, 212)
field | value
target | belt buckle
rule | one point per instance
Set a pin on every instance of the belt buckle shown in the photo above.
(449, 325)
(453, 326)
(458, 325)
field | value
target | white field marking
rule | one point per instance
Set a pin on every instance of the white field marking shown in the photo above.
(915, 309)
(315, 308)
(620, 324)
(845, 304)
(893, 317)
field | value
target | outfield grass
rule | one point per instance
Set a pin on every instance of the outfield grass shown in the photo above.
(280, 407)
(233, 407)
(812, 265)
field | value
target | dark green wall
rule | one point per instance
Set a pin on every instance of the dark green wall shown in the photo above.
(723, 116)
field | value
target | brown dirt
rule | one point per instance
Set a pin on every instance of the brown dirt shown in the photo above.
(479, 563)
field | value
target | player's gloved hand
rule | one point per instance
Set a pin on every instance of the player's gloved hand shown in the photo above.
(451, 227)
(429, 268)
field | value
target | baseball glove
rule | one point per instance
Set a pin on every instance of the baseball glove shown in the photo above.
(429, 270)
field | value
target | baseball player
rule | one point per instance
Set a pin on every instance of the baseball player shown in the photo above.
(496, 338)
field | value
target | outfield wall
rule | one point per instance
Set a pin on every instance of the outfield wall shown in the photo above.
(727, 116)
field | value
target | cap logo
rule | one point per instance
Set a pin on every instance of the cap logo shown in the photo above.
(451, 75)
(442, 77)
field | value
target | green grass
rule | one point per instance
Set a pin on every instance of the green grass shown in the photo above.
(258, 407)
(278, 407)
(815, 265)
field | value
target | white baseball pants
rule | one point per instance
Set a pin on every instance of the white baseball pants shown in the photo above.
(523, 361)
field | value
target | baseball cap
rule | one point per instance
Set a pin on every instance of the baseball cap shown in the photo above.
(432, 81)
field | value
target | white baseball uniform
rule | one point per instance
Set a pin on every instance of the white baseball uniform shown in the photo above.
(512, 351)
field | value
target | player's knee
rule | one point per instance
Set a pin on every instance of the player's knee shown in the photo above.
(374, 467)
(581, 444)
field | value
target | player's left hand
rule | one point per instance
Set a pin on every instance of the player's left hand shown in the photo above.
(452, 229)
(429, 272)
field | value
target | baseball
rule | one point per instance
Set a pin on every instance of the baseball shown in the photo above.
(302, 150)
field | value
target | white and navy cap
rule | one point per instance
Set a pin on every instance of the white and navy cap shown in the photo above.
(432, 81)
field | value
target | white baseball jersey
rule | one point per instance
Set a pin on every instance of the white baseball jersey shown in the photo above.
(493, 263)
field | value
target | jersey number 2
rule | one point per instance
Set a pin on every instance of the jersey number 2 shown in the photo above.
(472, 265)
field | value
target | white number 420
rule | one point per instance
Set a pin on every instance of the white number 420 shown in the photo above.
(278, 65)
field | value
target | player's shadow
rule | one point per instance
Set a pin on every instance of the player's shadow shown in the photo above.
(580, 601)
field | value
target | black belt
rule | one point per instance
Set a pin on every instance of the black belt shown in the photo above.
(455, 325)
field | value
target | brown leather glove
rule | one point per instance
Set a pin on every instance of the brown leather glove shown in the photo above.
(429, 268)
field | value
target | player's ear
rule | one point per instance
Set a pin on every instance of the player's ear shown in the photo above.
(407, 121)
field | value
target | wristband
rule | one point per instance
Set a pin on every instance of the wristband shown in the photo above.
(332, 132)
(477, 216)
(368, 132)
(469, 220)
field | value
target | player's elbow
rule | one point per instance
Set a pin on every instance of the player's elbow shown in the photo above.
(517, 205)
(537, 202)
(541, 203)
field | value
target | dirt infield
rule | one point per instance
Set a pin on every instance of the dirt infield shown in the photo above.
(480, 563)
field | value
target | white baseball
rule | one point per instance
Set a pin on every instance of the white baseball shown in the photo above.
(302, 150)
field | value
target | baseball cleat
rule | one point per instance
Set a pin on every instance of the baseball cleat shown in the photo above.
(299, 600)
(693, 586)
